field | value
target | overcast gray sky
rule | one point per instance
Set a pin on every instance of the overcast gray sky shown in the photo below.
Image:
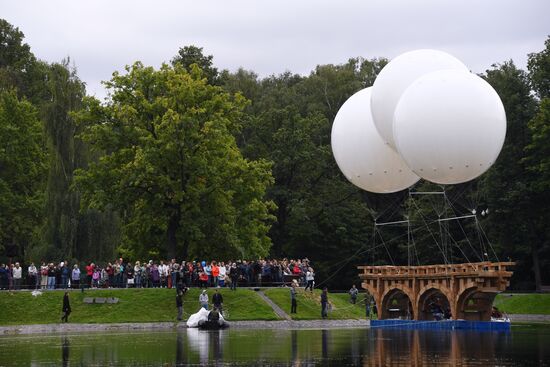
(273, 36)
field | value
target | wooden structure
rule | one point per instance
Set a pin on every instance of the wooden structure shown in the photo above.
(466, 291)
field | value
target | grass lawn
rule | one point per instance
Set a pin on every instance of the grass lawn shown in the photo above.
(135, 305)
(309, 304)
(529, 304)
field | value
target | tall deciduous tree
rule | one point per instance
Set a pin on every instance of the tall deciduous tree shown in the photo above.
(19, 68)
(172, 168)
(319, 213)
(538, 164)
(68, 232)
(506, 184)
(22, 165)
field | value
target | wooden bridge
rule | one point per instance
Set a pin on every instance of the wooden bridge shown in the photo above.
(466, 291)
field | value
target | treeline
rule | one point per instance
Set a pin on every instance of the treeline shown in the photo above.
(190, 161)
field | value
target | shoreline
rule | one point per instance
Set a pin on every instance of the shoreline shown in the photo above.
(250, 324)
(136, 326)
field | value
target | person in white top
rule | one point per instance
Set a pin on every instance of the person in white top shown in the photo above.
(33, 276)
(163, 272)
(44, 276)
(223, 272)
(203, 299)
(310, 278)
(17, 275)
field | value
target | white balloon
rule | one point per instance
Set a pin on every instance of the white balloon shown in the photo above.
(396, 76)
(360, 152)
(449, 126)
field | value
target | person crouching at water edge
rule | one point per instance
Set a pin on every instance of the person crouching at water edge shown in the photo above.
(203, 299)
(293, 304)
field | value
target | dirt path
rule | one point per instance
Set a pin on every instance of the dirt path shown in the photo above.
(278, 310)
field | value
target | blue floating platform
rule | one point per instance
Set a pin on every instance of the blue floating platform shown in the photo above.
(441, 325)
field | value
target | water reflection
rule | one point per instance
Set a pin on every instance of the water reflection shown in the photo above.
(364, 347)
(65, 346)
(180, 350)
(420, 347)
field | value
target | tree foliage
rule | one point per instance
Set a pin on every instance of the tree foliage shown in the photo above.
(170, 164)
(22, 164)
(193, 55)
(539, 70)
(191, 161)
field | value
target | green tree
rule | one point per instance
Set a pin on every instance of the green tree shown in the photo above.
(19, 68)
(193, 55)
(538, 64)
(319, 214)
(22, 165)
(538, 165)
(67, 232)
(171, 166)
(506, 185)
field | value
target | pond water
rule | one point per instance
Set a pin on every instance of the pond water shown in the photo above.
(523, 346)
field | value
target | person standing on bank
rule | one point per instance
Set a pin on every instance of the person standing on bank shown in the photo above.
(217, 301)
(75, 277)
(179, 305)
(17, 274)
(310, 279)
(66, 308)
(203, 299)
(33, 277)
(293, 304)
(353, 294)
(324, 303)
(367, 305)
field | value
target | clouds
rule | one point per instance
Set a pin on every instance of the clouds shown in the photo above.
(271, 37)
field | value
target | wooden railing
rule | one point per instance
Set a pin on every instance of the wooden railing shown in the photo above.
(467, 269)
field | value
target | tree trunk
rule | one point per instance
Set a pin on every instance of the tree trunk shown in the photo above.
(184, 251)
(171, 233)
(536, 266)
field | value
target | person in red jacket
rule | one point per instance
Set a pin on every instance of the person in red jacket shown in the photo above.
(89, 273)
(215, 273)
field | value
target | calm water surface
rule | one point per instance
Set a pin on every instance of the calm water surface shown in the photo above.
(523, 346)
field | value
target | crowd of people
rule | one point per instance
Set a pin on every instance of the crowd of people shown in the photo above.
(157, 274)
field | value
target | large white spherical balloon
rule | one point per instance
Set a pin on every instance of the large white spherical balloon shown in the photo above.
(360, 152)
(449, 126)
(396, 76)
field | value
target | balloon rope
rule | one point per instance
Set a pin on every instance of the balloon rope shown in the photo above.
(431, 233)
(464, 232)
(457, 245)
(386, 247)
(487, 238)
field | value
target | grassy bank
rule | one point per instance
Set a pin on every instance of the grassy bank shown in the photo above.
(309, 304)
(158, 305)
(135, 305)
(527, 304)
